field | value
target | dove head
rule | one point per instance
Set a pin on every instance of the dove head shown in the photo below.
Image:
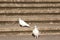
(35, 26)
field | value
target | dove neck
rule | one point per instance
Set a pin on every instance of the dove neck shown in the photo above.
(19, 19)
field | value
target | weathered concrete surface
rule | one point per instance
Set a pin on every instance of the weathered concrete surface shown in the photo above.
(30, 17)
(29, 5)
(29, 0)
(46, 37)
(34, 12)
(29, 10)
(29, 37)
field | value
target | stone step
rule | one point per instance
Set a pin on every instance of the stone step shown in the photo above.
(25, 29)
(29, 0)
(11, 26)
(29, 10)
(29, 5)
(32, 18)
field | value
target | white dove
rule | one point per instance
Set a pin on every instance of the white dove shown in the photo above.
(23, 23)
(35, 32)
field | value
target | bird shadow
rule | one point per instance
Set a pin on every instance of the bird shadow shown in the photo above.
(33, 35)
(24, 26)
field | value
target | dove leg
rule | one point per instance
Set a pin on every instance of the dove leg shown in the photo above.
(36, 36)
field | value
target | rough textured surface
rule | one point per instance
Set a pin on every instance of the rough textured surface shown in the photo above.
(30, 5)
(30, 17)
(30, 10)
(29, 37)
(44, 13)
(30, 0)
